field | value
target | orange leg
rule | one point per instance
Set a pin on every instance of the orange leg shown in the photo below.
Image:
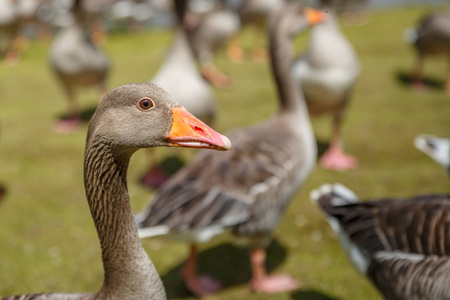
(199, 285)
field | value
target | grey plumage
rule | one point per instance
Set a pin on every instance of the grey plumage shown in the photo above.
(76, 61)
(248, 188)
(401, 245)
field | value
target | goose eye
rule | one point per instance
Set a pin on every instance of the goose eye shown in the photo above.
(146, 103)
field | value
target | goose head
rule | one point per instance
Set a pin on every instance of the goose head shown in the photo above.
(294, 18)
(143, 115)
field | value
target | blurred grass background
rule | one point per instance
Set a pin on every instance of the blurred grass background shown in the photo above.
(47, 238)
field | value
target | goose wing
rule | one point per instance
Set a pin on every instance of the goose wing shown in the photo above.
(227, 188)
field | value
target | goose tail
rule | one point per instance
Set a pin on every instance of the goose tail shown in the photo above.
(329, 196)
(335, 200)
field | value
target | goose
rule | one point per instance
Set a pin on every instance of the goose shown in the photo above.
(131, 117)
(213, 30)
(436, 147)
(430, 38)
(255, 13)
(327, 73)
(9, 29)
(402, 246)
(247, 189)
(77, 62)
(180, 77)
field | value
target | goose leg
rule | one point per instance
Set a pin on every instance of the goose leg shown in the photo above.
(199, 285)
(417, 83)
(335, 158)
(261, 282)
(215, 76)
(235, 52)
(259, 53)
(73, 119)
(447, 85)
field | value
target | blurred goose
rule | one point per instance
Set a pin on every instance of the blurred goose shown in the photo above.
(255, 13)
(77, 62)
(247, 189)
(180, 77)
(130, 117)
(213, 30)
(430, 38)
(435, 147)
(401, 245)
(9, 29)
(327, 73)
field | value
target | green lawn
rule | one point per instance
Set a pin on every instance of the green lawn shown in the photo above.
(47, 238)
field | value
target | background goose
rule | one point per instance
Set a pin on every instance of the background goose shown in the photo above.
(180, 77)
(77, 62)
(401, 245)
(213, 30)
(327, 73)
(255, 13)
(430, 38)
(9, 29)
(130, 117)
(437, 148)
(247, 189)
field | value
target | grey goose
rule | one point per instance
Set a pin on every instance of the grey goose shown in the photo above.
(77, 62)
(245, 190)
(327, 73)
(430, 38)
(401, 245)
(130, 117)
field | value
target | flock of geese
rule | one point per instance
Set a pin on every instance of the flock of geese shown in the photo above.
(401, 245)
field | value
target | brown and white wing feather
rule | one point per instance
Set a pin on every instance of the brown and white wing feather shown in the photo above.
(225, 188)
(405, 276)
(418, 225)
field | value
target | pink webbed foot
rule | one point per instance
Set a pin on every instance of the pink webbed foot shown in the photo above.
(335, 159)
(68, 125)
(154, 177)
(203, 285)
(274, 284)
(418, 86)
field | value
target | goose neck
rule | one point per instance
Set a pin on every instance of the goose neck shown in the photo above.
(129, 273)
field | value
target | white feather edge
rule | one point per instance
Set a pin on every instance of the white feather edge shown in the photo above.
(357, 257)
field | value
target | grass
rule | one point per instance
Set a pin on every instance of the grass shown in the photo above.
(49, 243)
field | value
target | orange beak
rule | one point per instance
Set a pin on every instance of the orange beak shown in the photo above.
(188, 131)
(315, 16)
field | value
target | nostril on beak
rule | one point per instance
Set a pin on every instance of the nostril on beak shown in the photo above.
(199, 129)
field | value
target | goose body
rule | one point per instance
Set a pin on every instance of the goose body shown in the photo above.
(400, 245)
(213, 31)
(9, 28)
(180, 77)
(431, 38)
(77, 62)
(327, 73)
(130, 117)
(247, 189)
